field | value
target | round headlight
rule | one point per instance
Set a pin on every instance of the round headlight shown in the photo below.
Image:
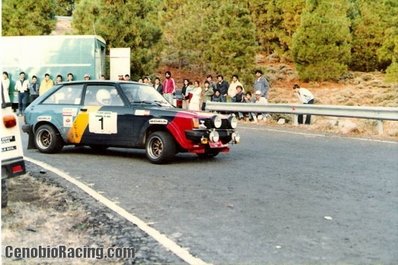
(217, 121)
(214, 136)
(233, 121)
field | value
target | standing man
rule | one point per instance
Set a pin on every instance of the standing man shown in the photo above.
(222, 86)
(261, 84)
(22, 86)
(233, 85)
(33, 89)
(158, 85)
(69, 77)
(59, 79)
(306, 97)
(169, 87)
(46, 84)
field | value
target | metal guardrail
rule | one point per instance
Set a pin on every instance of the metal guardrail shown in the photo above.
(378, 113)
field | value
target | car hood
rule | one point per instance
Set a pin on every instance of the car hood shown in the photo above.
(186, 113)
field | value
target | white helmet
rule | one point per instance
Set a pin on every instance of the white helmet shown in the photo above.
(103, 97)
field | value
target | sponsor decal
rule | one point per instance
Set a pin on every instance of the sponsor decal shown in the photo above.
(44, 118)
(103, 122)
(141, 112)
(69, 112)
(158, 121)
(68, 121)
(7, 139)
(9, 148)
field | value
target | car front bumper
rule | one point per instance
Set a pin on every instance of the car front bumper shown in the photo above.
(204, 136)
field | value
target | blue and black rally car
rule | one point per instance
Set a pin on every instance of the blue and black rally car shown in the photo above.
(103, 114)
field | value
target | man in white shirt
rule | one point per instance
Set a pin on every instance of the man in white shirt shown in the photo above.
(22, 86)
(306, 97)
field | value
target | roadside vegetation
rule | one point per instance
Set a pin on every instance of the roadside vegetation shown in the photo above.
(344, 51)
(322, 39)
(40, 214)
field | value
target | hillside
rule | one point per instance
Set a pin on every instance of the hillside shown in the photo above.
(356, 89)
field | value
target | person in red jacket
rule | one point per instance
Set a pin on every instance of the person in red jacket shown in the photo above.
(169, 87)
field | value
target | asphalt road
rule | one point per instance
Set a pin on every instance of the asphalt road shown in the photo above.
(276, 198)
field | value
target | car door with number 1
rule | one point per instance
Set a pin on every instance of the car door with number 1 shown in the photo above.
(104, 111)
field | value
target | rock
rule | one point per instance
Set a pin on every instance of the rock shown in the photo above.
(347, 127)
(281, 121)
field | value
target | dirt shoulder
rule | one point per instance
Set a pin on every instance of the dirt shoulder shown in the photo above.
(47, 212)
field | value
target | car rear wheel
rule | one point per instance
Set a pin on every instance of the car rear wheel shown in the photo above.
(48, 140)
(160, 147)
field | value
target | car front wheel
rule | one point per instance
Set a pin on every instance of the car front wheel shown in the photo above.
(160, 147)
(48, 140)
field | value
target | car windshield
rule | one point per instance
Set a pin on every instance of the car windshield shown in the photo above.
(143, 94)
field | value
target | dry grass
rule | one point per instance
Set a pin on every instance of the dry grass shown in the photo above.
(42, 215)
(361, 89)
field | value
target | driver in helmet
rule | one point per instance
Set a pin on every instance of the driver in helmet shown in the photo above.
(103, 97)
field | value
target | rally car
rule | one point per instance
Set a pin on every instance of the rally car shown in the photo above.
(103, 114)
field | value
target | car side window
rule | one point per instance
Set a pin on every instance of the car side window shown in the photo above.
(68, 94)
(102, 95)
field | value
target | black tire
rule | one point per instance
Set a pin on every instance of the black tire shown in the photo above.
(160, 147)
(4, 193)
(48, 140)
(209, 154)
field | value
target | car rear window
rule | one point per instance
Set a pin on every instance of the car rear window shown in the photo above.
(68, 94)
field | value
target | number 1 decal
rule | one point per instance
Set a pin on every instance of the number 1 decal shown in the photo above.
(103, 122)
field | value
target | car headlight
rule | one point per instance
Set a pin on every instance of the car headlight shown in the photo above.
(233, 121)
(217, 121)
(195, 123)
(214, 136)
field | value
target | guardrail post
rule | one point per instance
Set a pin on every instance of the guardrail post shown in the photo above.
(380, 127)
(295, 119)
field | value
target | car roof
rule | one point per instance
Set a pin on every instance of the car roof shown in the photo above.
(103, 82)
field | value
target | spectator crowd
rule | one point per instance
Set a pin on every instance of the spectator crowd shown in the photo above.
(194, 94)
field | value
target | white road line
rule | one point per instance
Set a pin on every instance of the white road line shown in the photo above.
(319, 135)
(161, 238)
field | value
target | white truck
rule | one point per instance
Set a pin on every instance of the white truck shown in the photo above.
(12, 160)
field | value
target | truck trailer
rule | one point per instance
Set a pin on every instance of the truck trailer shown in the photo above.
(52, 54)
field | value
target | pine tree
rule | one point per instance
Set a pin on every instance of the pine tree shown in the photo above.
(64, 7)
(321, 45)
(28, 17)
(368, 31)
(389, 51)
(210, 36)
(276, 21)
(233, 45)
(132, 24)
(259, 10)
